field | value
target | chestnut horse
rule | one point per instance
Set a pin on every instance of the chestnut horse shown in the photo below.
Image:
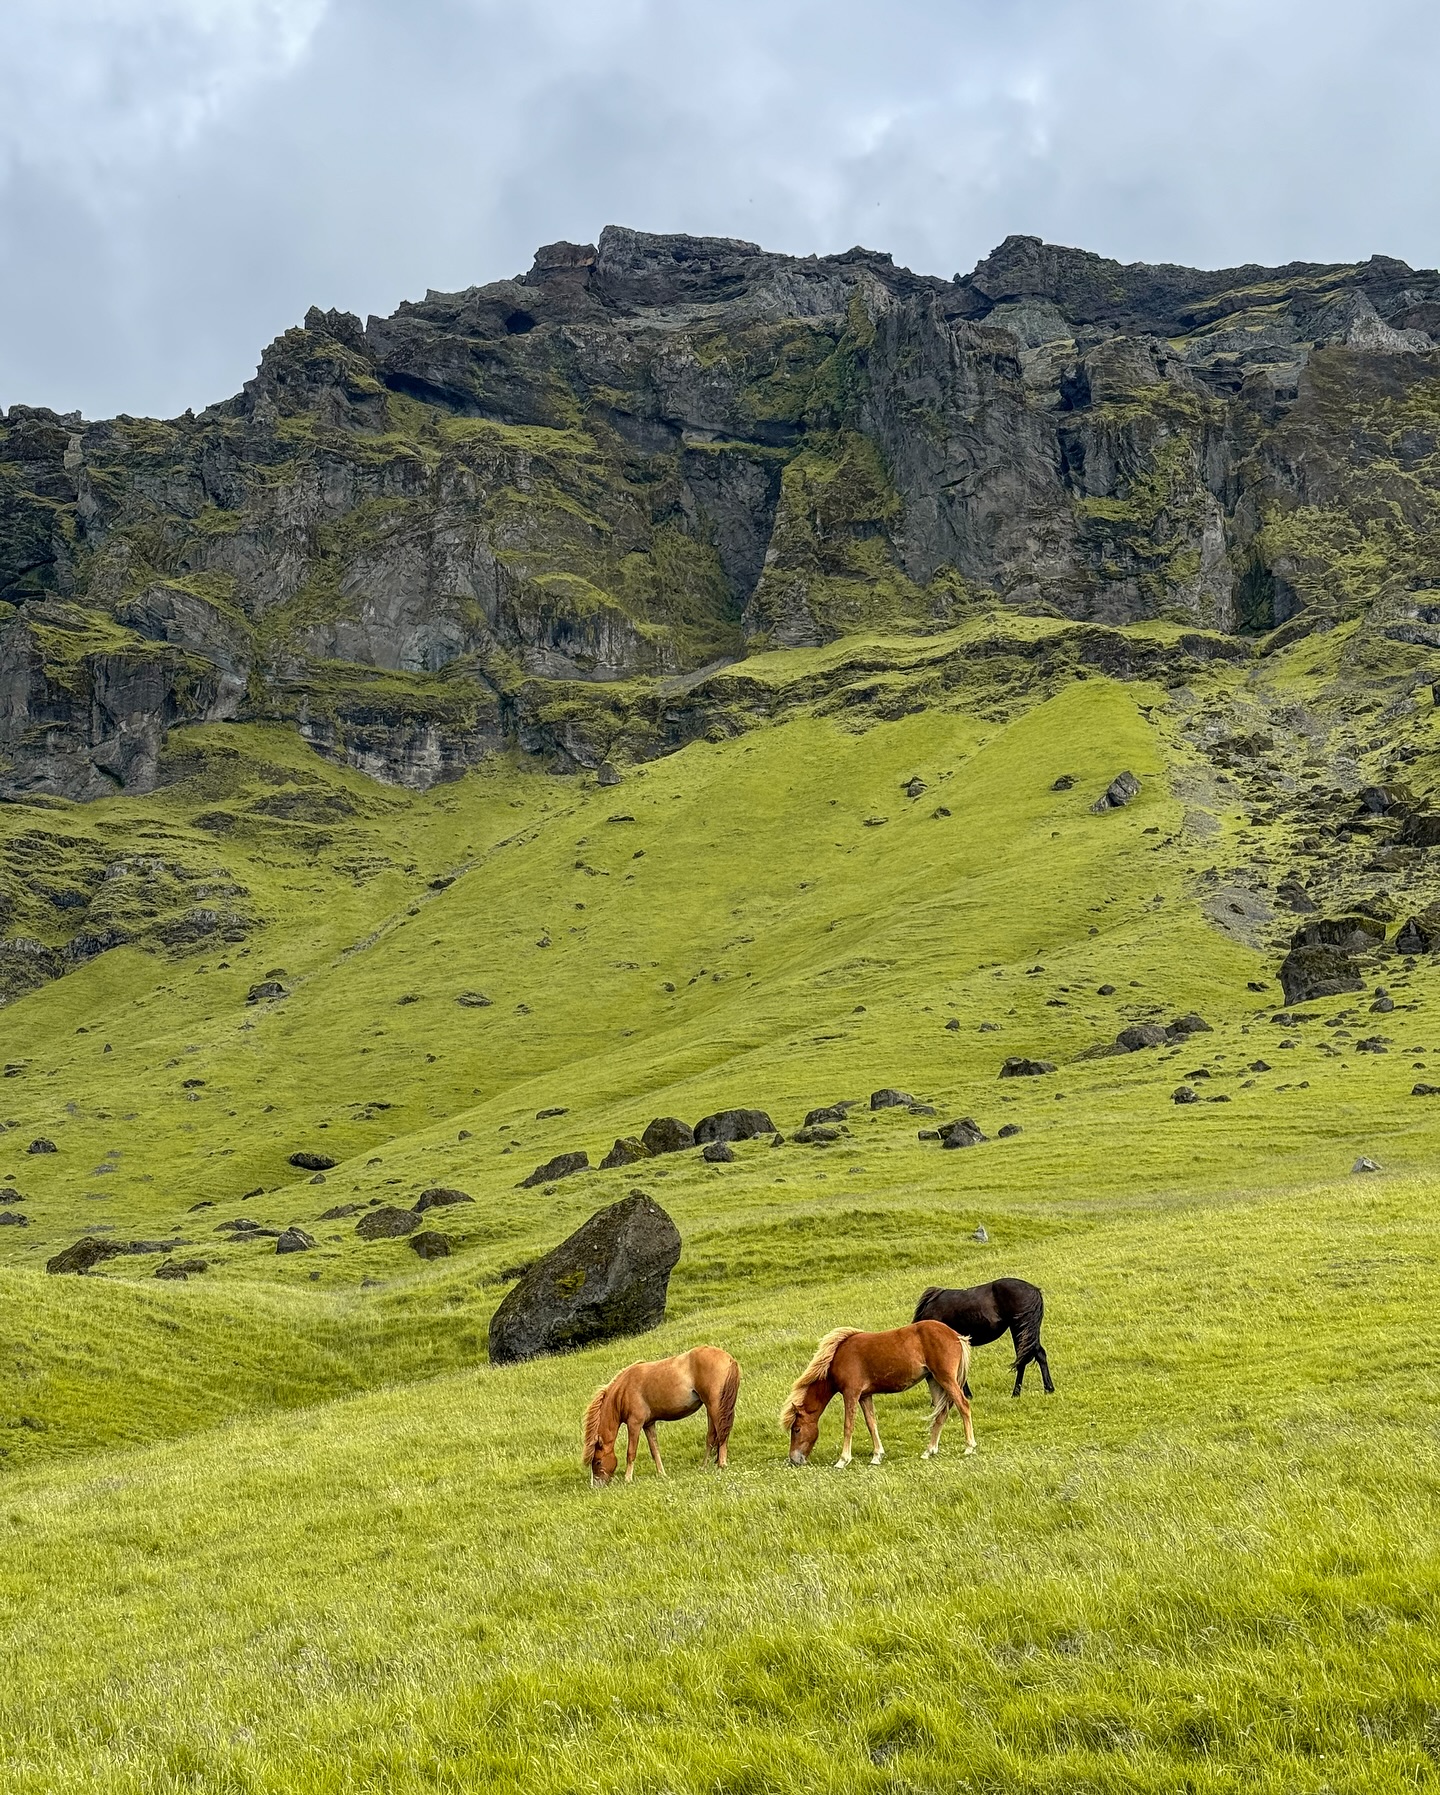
(859, 1367)
(662, 1390)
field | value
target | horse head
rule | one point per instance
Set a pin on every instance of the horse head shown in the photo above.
(803, 1417)
(602, 1464)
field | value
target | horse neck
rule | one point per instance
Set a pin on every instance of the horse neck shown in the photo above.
(819, 1395)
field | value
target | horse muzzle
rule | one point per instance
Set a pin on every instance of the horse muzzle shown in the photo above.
(798, 1458)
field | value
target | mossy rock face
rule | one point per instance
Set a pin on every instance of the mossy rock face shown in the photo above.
(608, 1279)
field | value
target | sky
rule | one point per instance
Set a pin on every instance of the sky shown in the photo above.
(181, 179)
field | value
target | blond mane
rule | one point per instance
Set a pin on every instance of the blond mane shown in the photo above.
(591, 1424)
(818, 1367)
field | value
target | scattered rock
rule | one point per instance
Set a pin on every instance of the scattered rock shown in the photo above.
(1258, 1066)
(340, 1211)
(430, 1243)
(1382, 1006)
(41, 1145)
(667, 1134)
(312, 1162)
(438, 1197)
(923, 1109)
(1141, 1034)
(609, 1278)
(964, 1133)
(1023, 1068)
(989, 1028)
(474, 1000)
(1105, 991)
(1364, 1165)
(1425, 1090)
(816, 1135)
(718, 1152)
(11, 1218)
(1121, 789)
(733, 1125)
(606, 775)
(1064, 783)
(181, 1268)
(928, 1134)
(953, 1025)
(1009, 1131)
(319, 1178)
(1183, 1094)
(876, 822)
(1189, 1024)
(544, 1115)
(834, 1112)
(563, 1165)
(890, 1099)
(1420, 934)
(981, 1234)
(387, 1223)
(84, 1256)
(264, 991)
(628, 1150)
(294, 1240)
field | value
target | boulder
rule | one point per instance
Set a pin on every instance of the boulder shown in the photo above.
(733, 1125)
(563, 1165)
(264, 991)
(1009, 1131)
(294, 1240)
(181, 1269)
(474, 1000)
(667, 1134)
(627, 1151)
(312, 1162)
(430, 1243)
(1420, 934)
(1141, 1034)
(834, 1112)
(816, 1135)
(387, 1223)
(1354, 933)
(1064, 783)
(606, 775)
(1121, 789)
(1363, 1164)
(914, 788)
(608, 1279)
(981, 1234)
(340, 1211)
(1023, 1068)
(41, 1145)
(718, 1152)
(1382, 1006)
(1183, 1094)
(964, 1133)
(438, 1197)
(890, 1099)
(11, 1218)
(1425, 1090)
(1308, 972)
(1188, 1024)
(84, 1256)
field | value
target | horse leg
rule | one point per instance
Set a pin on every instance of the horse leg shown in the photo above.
(958, 1400)
(844, 1458)
(1044, 1365)
(632, 1446)
(1024, 1353)
(939, 1408)
(867, 1409)
(654, 1446)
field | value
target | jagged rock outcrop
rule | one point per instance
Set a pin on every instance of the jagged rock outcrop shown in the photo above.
(430, 536)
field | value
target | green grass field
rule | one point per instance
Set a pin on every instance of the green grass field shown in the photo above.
(280, 1527)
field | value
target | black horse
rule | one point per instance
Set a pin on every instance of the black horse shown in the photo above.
(983, 1313)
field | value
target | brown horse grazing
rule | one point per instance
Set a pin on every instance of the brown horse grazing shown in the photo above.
(983, 1313)
(860, 1367)
(662, 1390)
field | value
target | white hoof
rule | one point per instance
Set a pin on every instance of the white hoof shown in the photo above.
(842, 1464)
(877, 1458)
(931, 1452)
(969, 1449)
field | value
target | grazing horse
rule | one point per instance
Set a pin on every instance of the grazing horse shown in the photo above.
(662, 1390)
(983, 1313)
(860, 1367)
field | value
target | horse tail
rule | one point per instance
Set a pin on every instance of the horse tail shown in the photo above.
(1027, 1327)
(722, 1418)
(962, 1375)
(924, 1303)
(591, 1424)
(818, 1367)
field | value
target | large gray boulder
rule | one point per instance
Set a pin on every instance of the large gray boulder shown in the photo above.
(732, 1125)
(609, 1278)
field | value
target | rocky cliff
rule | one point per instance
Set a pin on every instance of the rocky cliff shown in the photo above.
(444, 532)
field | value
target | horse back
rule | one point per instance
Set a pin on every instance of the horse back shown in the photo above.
(983, 1311)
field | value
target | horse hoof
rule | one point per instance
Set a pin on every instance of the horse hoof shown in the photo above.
(969, 1449)
(842, 1464)
(930, 1452)
(878, 1458)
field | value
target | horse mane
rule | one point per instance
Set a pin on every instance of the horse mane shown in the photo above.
(818, 1367)
(591, 1425)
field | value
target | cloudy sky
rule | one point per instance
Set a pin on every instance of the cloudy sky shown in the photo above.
(180, 179)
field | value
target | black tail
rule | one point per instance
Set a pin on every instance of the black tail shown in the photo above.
(924, 1304)
(1027, 1328)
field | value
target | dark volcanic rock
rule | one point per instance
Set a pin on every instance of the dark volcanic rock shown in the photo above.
(733, 1125)
(1420, 934)
(430, 1243)
(1009, 1131)
(1189, 1024)
(11, 1218)
(627, 1151)
(1017, 1067)
(964, 1133)
(1183, 1094)
(718, 1152)
(816, 1135)
(1064, 783)
(294, 1240)
(387, 1223)
(1308, 972)
(1141, 1034)
(264, 991)
(340, 1211)
(667, 1134)
(181, 1268)
(563, 1165)
(834, 1112)
(1121, 789)
(890, 1099)
(609, 1278)
(312, 1162)
(84, 1255)
(41, 1145)
(438, 1197)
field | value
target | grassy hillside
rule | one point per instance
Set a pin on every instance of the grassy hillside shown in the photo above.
(280, 1527)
